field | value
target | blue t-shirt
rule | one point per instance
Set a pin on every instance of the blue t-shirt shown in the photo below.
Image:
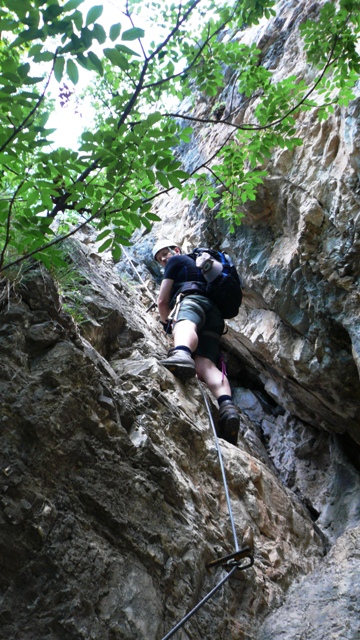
(183, 269)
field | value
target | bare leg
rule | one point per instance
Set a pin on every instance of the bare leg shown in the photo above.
(179, 360)
(208, 372)
(185, 335)
(228, 424)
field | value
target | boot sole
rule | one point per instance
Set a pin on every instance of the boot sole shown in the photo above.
(181, 371)
(230, 430)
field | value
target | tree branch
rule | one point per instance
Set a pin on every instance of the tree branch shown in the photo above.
(99, 212)
(274, 123)
(127, 110)
(8, 223)
(50, 244)
(128, 15)
(218, 179)
(194, 60)
(179, 22)
(33, 110)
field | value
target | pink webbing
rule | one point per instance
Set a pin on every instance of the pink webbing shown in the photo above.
(223, 368)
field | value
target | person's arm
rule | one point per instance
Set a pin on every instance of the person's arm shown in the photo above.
(164, 299)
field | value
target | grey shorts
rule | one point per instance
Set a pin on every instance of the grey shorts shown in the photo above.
(209, 324)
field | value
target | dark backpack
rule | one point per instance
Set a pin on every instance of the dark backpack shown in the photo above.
(225, 290)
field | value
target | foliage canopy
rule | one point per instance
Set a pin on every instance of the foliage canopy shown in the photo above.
(132, 154)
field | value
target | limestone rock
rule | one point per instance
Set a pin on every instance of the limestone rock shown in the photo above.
(325, 604)
(112, 500)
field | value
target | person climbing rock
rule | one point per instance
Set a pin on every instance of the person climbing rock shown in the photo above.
(196, 324)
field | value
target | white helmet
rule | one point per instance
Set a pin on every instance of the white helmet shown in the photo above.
(161, 244)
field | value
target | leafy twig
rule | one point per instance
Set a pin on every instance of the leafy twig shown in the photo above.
(274, 123)
(8, 223)
(127, 110)
(33, 110)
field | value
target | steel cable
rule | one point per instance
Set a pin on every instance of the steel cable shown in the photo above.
(237, 548)
(211, 420)
(199, 605)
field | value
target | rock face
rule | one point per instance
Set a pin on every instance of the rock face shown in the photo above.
(112, 498)
(111, 491)
(325, 604)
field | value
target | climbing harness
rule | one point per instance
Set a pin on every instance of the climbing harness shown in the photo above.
(173, 315)
(232, 562)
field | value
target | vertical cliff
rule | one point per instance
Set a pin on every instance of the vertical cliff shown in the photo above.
(112, 500)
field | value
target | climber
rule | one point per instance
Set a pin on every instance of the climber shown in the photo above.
(196, 325)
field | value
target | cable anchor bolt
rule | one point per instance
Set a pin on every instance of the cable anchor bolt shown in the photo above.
(234, 560)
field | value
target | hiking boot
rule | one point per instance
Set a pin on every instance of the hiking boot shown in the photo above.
(229, 422)
(180, 363)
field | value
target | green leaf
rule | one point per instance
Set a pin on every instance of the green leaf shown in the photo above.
(94, 14)
(105, 245)
(162, 179)
(86, 38)
(27, 36)
(83, 61)
(147, 206)
(135, 220)
(153, 118)
(124, 49)
(44, 56)
(153, 216)
(77, 18)
(103, 235)
(174, 181)
(72, 4)
(52, 12)
(146, 223)
(59, 68)
(99, 33)
(35, 50)
(182, 175)
(133, 34)
(23, 70)
(162, 163)
(116, 252)
(150, 174)
(124, 241)
(96, 62)
(72, 71)
(121, 231)
(115, 31)
(117, 58)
